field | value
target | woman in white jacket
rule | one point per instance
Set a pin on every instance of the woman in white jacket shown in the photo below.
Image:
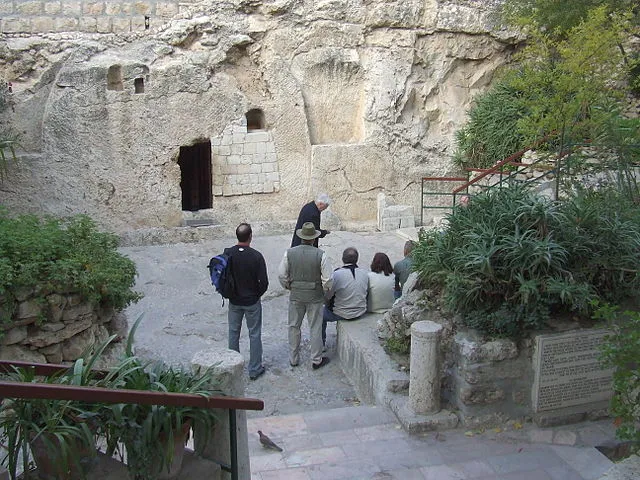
(381, 284)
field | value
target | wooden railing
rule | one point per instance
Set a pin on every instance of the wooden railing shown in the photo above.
(48, 391)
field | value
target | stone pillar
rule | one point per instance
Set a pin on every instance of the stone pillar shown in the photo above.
(228, 366)
(424, 379)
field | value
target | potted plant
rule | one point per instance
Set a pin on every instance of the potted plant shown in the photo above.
(154, 436)
(58, 436)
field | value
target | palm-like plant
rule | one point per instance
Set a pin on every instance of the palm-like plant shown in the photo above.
(510, 257)
(151, 433)
(60, 434)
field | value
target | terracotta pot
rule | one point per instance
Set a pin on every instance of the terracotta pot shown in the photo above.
(50, 466)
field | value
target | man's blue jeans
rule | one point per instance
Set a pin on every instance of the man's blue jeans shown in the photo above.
(253, 314)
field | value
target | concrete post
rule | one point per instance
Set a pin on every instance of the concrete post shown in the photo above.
(424, 378)
(228, 366)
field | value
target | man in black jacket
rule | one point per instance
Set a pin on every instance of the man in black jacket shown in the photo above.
(311, 213)
(251, 282)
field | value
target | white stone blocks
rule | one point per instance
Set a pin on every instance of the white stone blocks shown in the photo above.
(245, 161)
(258, 137)
(237, 149)
(392, 217)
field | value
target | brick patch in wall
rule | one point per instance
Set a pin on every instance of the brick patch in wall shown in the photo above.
(42, 16)
(244, 162)
(52, 8)
(71, 8)
(30, 7)
(6, 8)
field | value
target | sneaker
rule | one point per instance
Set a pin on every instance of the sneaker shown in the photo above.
(324, 361)
(258, 374)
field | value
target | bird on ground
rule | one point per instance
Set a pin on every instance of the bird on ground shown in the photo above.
(267, 442)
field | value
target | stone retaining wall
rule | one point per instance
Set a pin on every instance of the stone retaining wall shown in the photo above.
(56, 328)
(91, 16)
(490, 382)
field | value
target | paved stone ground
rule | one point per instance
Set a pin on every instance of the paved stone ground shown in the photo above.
(182, 314)
(366, 443)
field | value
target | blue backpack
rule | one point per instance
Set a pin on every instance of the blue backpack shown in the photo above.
(221, 272)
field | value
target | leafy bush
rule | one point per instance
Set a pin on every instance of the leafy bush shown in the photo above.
(568, 86)
(601, 232)
(68, 255)
(401, 345)
(510, 257)
(621, 350)
(489, 134)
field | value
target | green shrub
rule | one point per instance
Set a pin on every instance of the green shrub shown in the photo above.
(63, 255)
(489, 134)
(401, 345)
(566, 86)
(510, 257)
(621, 350)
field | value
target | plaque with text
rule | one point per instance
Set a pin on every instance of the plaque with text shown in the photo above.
(567, 370)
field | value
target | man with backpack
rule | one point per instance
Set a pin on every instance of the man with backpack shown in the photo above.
(249, 272)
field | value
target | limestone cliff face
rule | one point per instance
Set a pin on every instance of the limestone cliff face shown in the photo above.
(286, 97)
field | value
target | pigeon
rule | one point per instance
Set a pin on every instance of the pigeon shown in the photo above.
(267, 442)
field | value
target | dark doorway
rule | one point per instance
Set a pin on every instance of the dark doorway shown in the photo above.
(195, 176)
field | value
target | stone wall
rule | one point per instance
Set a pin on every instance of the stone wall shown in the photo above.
(90, 16)
(56, 328)
(490, 382)
(358, 98)
(245, 162)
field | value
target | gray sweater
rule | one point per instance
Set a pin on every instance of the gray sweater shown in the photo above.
(350, 286)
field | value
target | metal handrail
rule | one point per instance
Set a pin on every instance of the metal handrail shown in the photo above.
(498, 166)
(10, 389)
(423, 192)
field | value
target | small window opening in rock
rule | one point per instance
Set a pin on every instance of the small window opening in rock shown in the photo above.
(138, 84)
(255, 119)
(114, 78)
(147, 22)
(195, 176)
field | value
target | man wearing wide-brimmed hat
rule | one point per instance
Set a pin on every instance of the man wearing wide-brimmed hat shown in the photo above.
(305, 270)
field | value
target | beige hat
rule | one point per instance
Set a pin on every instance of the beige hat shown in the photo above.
(308, 231)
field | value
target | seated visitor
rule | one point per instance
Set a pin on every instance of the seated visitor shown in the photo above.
(347, 297)
(381, 284)
(402, 269)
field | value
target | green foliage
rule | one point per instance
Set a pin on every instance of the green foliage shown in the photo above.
(489, 136)
(62, 431)
(398, 345)
(621, 350)
(64, 255)
(601, 232)
(509, 257)
(148, 431)
(570, 87)
(69, 429)
(559, 16)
